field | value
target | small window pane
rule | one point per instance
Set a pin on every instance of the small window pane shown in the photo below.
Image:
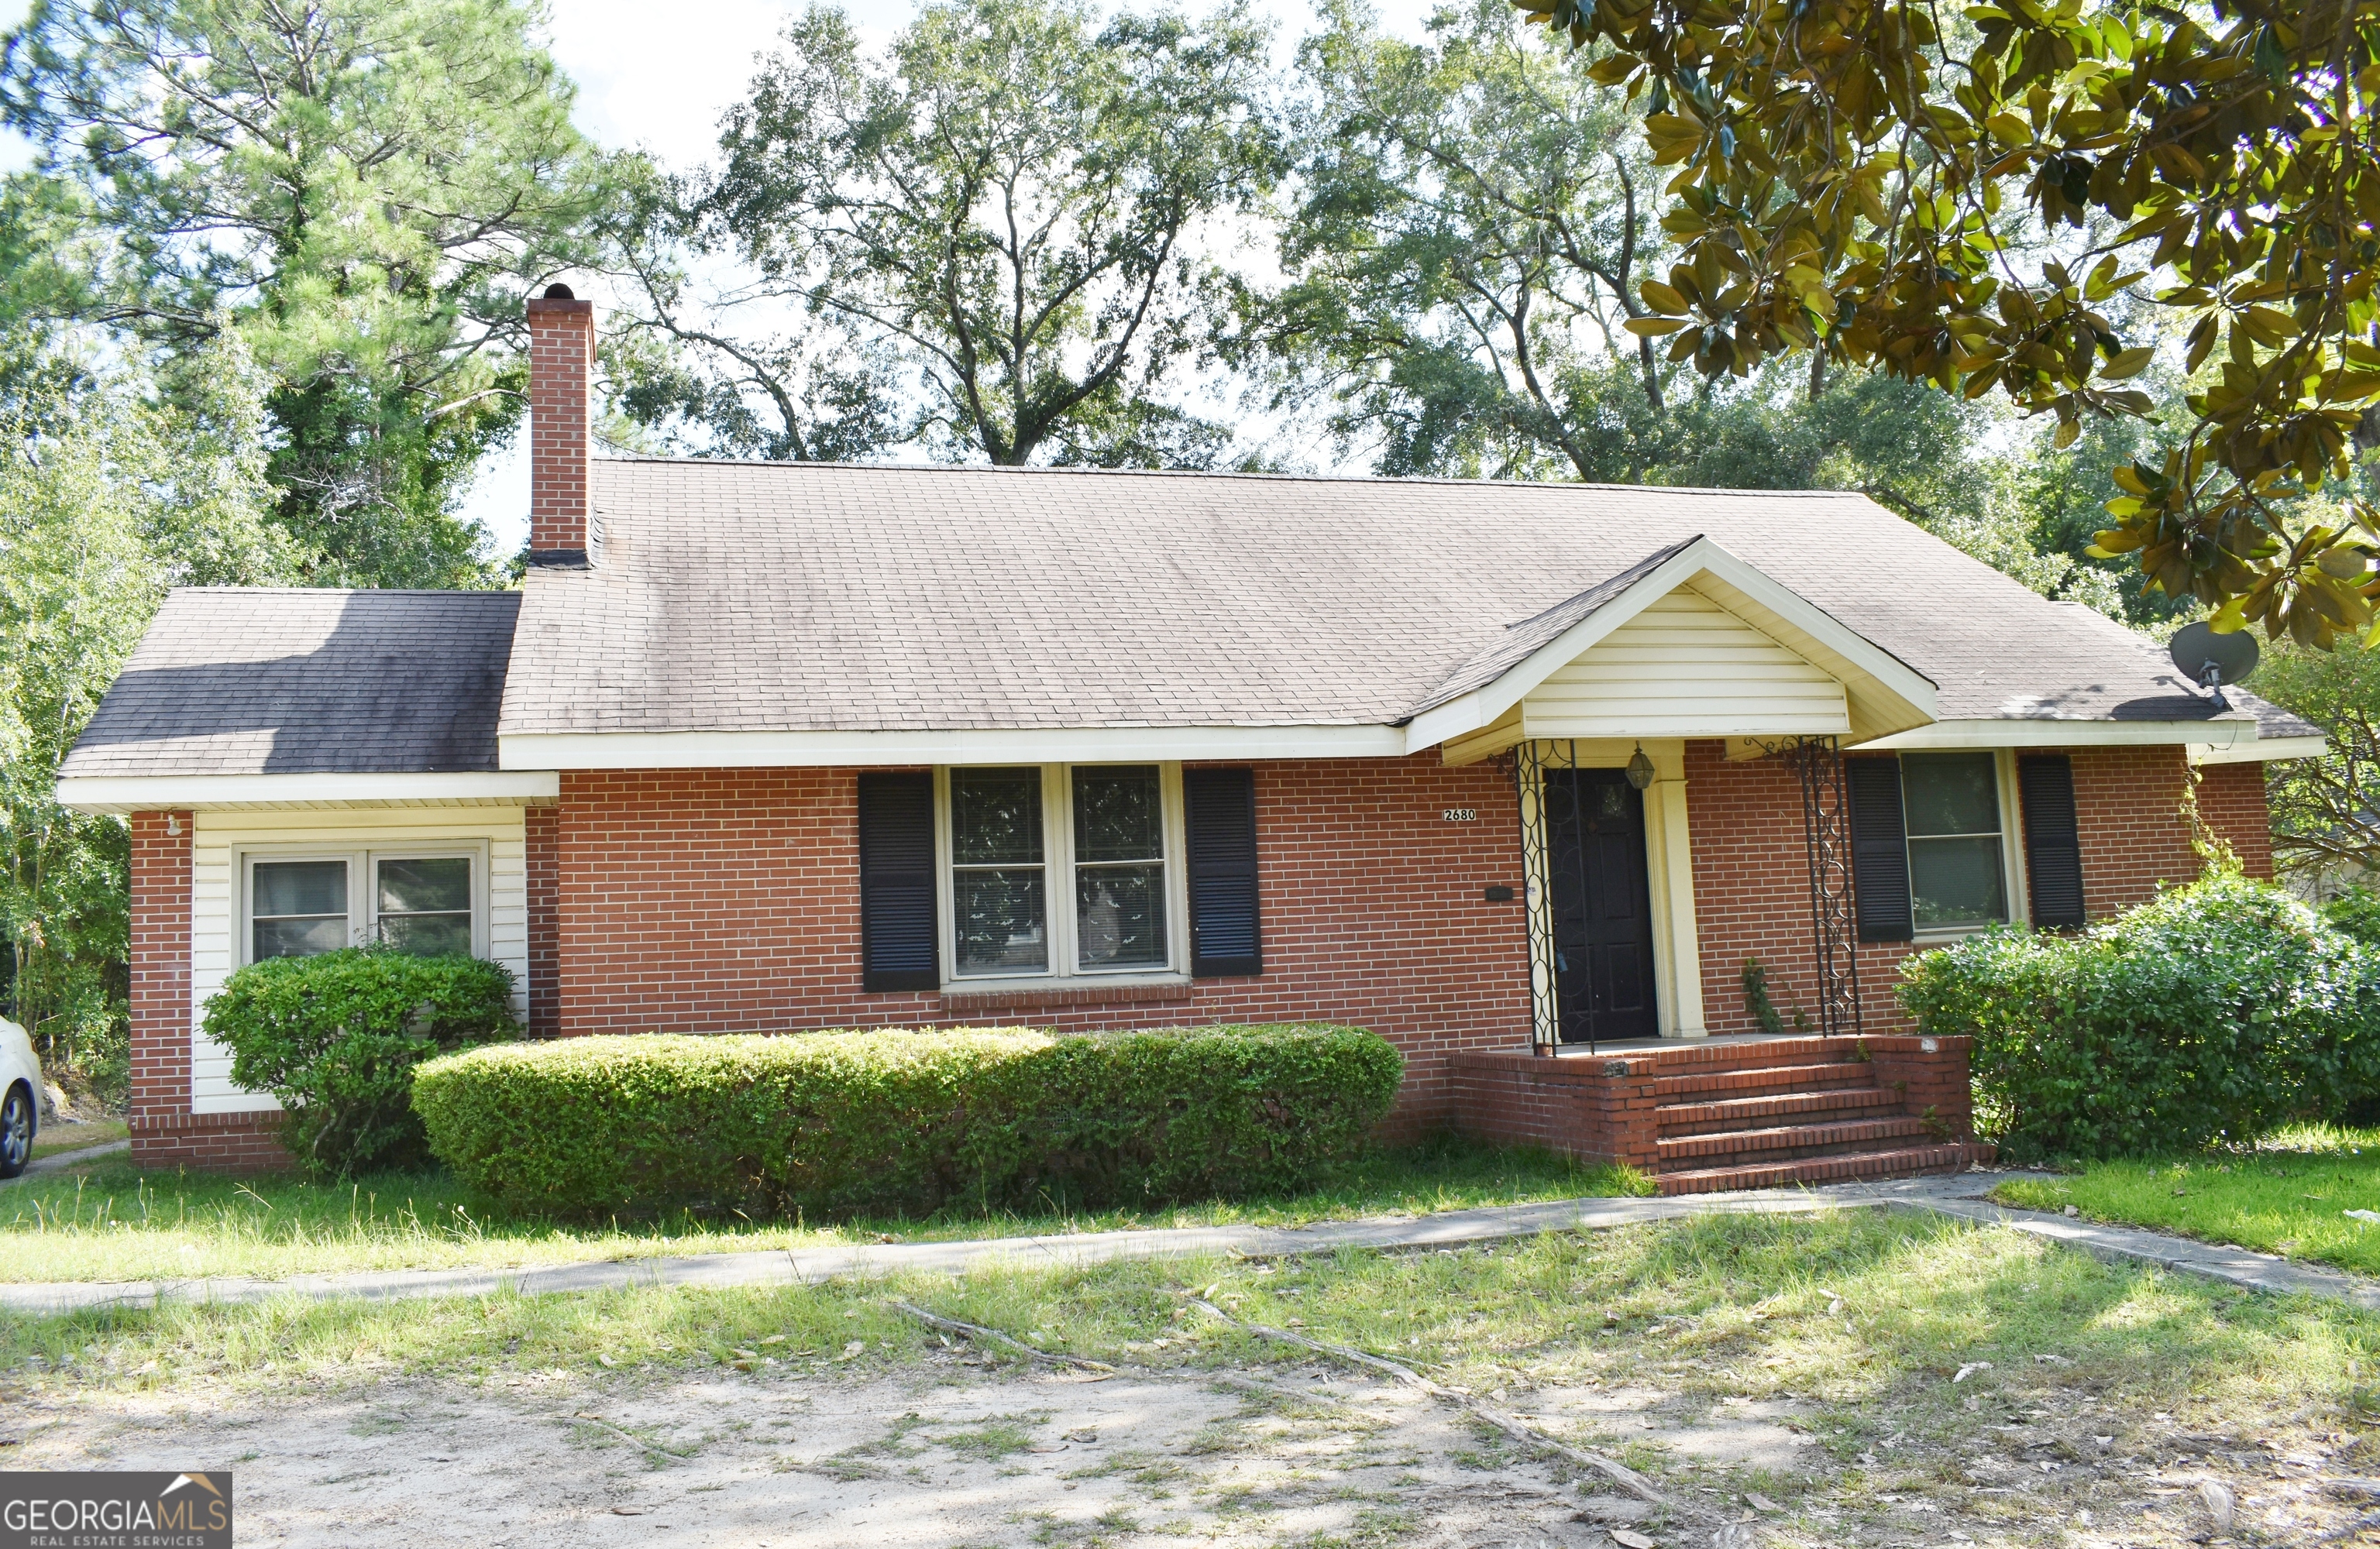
(427, 935)
(1957, 881)
(300, 938)
(1119, 916)
(426, 886)
(1001, 921)
(1952, 793)
(296, 908)
(996, 816)
(1118, 816)
(301, 888)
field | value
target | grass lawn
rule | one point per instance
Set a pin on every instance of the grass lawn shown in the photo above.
(113, 1221)
(2289, 1196)
(61, 1138)
(2085, 1388)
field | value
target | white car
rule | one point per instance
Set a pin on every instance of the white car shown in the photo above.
(20, 1100)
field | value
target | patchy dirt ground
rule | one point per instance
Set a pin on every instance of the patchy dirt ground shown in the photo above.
(948, 1452)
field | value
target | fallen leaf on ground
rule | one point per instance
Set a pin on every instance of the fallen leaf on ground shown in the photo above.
(1762, 1503)
(1969, 1370)
(1630, 1539)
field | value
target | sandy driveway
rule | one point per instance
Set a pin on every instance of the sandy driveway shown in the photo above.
(942, 1454)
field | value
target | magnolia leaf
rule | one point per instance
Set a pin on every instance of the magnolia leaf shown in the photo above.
(1653, 328)
(1663, 299)
(2127, 363)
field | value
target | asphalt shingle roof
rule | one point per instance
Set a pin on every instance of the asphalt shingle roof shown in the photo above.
(792, 596)
(306, 681)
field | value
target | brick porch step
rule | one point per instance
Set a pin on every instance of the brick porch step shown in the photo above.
(1746, 1113)
(1905, 1161)
(1787, 1141)
(1752, 1081)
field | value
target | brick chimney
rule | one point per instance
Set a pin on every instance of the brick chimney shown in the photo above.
(562, 529)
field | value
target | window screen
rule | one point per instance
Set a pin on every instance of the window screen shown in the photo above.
(296, 908)
(999, 872)
(1958, 876)
(425, 906)
(1119, 868)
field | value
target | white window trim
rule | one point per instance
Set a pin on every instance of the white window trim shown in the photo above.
(359, 863)
(2013, 874)
(1058, 869)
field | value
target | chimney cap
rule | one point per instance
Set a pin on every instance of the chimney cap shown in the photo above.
(560, 292)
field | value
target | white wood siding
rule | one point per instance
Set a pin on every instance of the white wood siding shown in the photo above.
(1685, 666)
(220, 839)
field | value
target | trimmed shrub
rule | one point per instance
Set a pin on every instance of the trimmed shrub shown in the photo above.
(335, 1039)
(896, 1121)
(2214, 1013)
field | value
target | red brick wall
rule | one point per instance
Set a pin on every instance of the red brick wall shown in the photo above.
(560, 366)
(1752, 890)
(726, 900)
(161, 968)
(1751, 895)
(540, 834)
(165, 1132)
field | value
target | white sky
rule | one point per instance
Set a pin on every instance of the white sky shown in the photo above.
(661, 80)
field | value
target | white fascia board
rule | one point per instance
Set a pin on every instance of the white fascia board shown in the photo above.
(1483, 706)
(2218, 735)
(729, 750)
(128, 793)
(2264, 750)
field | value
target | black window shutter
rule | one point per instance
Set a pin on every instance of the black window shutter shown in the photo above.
(1226, 934)
(2053, 844)
(898, 927)
(1879, 849)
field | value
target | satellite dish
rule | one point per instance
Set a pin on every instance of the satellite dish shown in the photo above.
(2211, 660)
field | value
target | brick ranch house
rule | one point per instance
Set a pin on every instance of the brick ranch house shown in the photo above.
(1519, 775)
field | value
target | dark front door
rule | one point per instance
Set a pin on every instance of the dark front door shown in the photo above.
(1602, 904)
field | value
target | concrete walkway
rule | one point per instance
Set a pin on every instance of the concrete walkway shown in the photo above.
(1958, 1196)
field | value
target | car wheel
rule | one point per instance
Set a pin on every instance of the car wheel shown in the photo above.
(16, 1130)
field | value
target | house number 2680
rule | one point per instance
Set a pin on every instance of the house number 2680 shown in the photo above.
(1461, 814)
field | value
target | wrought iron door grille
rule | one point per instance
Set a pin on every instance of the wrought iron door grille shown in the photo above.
(1827, 831)
(1531, 762)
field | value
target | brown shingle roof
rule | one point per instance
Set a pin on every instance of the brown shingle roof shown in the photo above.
(790, 596)
(234, 680)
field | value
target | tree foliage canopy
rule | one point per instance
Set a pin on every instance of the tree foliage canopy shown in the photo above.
(1975, 201)
(1015, 204)
(367, 189)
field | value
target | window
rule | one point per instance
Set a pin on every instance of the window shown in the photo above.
(423, 904)
(1957, 870)
(299, 908)
(1062, 870)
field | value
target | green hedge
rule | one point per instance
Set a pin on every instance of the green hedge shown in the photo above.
(335, 1039)
(2214, 1013)
(904, 1121)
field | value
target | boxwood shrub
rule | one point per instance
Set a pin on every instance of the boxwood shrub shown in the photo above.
(899, 1120)
(335, 1039)
(2214, 1013)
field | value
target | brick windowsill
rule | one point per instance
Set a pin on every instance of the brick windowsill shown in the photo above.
(1059, 999)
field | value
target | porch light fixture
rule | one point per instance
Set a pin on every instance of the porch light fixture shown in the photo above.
(1640, 768)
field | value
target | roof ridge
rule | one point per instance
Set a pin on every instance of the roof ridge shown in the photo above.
(1236, 474)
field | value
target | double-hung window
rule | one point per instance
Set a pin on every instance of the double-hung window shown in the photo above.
(1062, 870)
(425, 903)
(1958, 852)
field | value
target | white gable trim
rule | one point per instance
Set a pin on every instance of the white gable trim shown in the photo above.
(127, 794)
(1894, 695)
(2264, 750)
